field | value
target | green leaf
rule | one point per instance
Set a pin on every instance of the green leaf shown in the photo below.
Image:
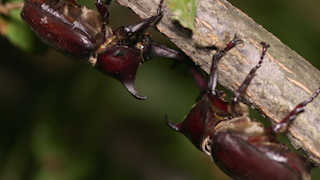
(20, 35)
(184, 11)
(17, 32)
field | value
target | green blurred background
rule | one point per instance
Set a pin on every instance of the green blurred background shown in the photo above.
(61, 119)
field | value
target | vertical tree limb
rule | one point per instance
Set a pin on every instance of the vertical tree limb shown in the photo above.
(284, 80)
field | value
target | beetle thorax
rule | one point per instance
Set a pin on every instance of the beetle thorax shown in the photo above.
(242, 125)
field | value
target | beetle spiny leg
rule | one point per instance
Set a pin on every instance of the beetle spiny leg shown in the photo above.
(199, 79)
(235, 41)
(249, 77)
(141, 25)
(103, 8)
(212, 82)
(284, 123)
(159, 10)
(150, 49)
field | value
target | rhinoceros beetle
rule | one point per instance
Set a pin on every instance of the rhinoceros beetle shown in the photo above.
(83, 34)
(242, 148)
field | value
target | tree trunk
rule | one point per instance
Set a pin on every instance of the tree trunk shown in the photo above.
(284, 80)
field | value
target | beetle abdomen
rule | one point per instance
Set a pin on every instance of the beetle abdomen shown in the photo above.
(241, 160)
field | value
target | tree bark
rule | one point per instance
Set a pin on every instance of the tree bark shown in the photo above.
(284, 80)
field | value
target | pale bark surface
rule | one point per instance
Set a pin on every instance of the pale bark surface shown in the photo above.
(284, 80)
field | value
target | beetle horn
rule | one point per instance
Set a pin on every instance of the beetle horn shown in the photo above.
(130, 87)
(176, 127)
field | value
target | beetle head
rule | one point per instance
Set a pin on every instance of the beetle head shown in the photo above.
(210, 110)
(121, 62)
(204, 116)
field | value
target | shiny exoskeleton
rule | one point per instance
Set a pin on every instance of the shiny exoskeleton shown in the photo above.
(83, 34)
(242, 148)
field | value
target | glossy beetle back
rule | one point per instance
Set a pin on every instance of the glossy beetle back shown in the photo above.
(244, 150)
(68, 27)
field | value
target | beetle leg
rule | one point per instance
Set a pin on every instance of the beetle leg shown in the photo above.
(160, 7)
(150, 49)
(199, 79)
(212, 82)
(248, 79)
(103, 8)
(156, 50)
(284, 123)
(141, 25)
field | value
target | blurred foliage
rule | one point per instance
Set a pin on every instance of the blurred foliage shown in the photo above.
(61, 119)
(184, 11)
(17, 32)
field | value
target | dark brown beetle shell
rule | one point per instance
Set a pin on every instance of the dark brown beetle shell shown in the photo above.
(254, 154)
(243, 149)
(83, 34)
(71, 29)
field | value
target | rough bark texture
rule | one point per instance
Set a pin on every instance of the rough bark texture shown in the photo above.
(284, 80)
